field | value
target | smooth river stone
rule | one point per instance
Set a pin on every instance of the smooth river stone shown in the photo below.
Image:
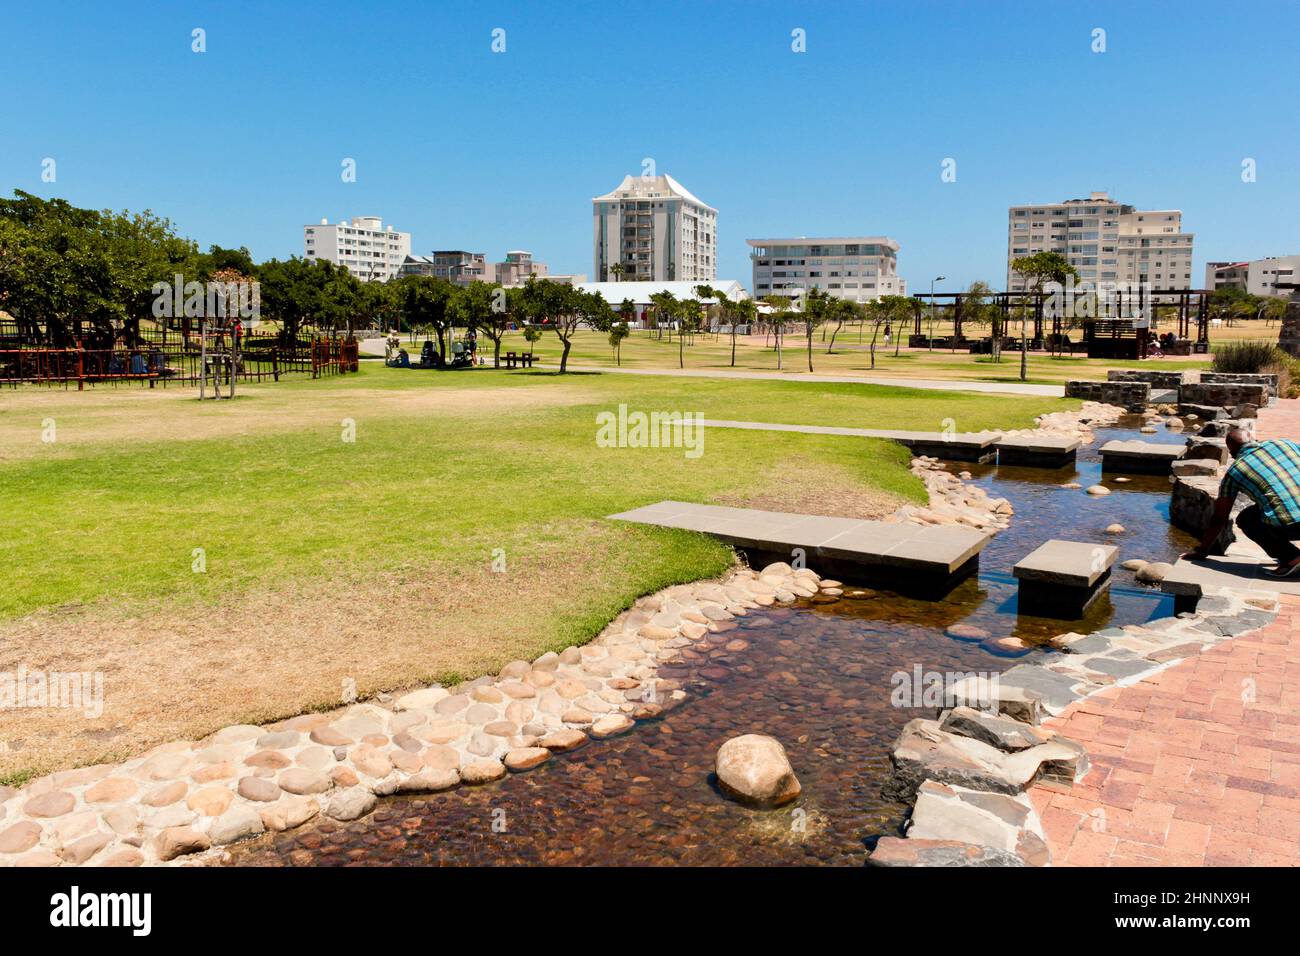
(482, 771)
(526, 758)
(54, 803)
(300, 780)
(112, 790)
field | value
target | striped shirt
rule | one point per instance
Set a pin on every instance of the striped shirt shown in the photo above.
(1267, 472)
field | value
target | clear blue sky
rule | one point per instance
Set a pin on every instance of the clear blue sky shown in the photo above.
(465, 148)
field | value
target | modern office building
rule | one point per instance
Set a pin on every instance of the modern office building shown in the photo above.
(454, 265)
(655, 230)
(1275, 275)
(363, 245)
(857, 268)
(517, 267)
(1105, 240)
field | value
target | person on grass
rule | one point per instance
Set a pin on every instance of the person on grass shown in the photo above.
(1268, 473)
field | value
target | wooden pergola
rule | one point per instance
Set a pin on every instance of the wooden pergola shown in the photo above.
(1129, 326)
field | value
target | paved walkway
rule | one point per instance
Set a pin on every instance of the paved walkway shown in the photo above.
(1198, 765)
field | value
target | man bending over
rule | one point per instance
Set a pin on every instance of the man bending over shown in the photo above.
(1268, 473)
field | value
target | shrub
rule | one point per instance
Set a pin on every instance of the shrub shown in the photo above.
(1248, 358)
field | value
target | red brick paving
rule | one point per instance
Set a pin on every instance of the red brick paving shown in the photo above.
(1280, 420)
(1198, 765)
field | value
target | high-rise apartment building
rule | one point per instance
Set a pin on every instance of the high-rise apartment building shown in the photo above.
(1105, 240)
(652, 229)
(857, 268)
(363, 245)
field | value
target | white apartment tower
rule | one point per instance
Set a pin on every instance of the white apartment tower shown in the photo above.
(364, 246)
(1105, 240)
(857, 268)
(656, 230)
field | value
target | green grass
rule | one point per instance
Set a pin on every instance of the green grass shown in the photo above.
(643, 350)
(120, 521)
(371, 559)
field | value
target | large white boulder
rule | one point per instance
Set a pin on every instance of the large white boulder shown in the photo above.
(754, 769)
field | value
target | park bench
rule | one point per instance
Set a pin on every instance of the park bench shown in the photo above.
(518, 359)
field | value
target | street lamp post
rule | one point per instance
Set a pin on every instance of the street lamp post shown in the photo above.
(932, 282)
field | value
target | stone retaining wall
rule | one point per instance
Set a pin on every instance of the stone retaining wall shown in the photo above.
(1131, 395)
(1157, 380)
(1243, 378)
(1224, 394)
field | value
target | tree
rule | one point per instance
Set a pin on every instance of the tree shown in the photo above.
(977, 308)
(665, 306)
(778, 317)
(564, 309)
(742, 313)
(618, 331)
(531, 334)
(1272, 309)
(842, 310)
(482, 306)
(816, 310)
(425, 302)
(62, 267)
(1037, 270)
(617, 270)
(877, 313)
(689, 312)
(293, 293)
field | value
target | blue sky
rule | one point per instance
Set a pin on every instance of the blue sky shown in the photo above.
(465, 148)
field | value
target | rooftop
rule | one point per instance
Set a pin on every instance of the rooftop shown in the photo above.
(652, 187)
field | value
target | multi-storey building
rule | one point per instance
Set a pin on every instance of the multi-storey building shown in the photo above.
(1275, 275)
(857, 268)
(653, 229)
(1108, 242)
(517, 267)
(454, 265)
(364, 246)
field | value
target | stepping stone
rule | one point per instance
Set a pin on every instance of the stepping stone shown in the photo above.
(1140, 457)
(1043, 450)
(1062, 578)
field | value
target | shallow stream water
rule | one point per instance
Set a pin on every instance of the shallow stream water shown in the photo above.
(817, 676)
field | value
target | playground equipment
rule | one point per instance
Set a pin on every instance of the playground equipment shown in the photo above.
(219, 341)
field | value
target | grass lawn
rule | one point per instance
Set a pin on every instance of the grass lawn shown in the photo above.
(643, 349)
(323, 559)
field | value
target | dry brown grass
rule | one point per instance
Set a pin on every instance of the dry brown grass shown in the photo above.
(132, 415)
(804, 486)
(185, 671)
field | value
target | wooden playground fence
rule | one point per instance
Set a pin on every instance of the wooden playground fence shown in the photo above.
(260, 359)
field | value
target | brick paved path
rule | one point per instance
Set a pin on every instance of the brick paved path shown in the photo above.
(1184, 773)
(1280, 420)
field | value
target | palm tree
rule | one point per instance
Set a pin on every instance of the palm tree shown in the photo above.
(617, 270)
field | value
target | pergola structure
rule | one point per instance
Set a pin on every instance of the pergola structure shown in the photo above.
(1126, 330)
